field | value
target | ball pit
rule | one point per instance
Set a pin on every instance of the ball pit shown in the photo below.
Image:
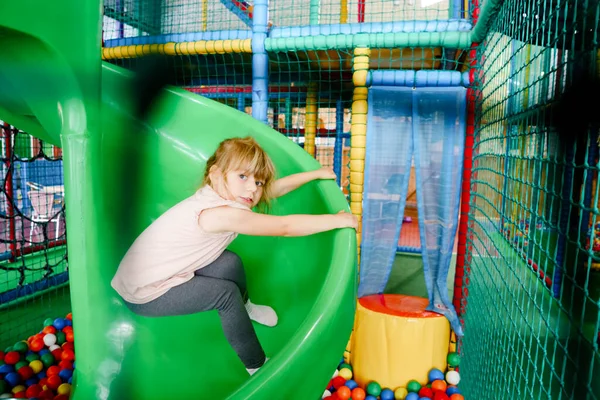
(42, 366)
(442, 385)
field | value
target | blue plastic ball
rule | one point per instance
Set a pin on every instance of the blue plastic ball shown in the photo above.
(31, 381)
(41, 374)
(452, 390)
(351, 384)
(65, 374)
(412, 396)
(369, 397)
(43, 351)
(68, 322)
(386, 394)
(6, 368)
(59, 323)
(435, 374)
(12, 378)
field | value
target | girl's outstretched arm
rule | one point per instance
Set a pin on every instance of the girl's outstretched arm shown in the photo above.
(229, 219)
(292, 182)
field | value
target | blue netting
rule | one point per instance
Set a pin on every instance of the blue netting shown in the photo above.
(429, 122)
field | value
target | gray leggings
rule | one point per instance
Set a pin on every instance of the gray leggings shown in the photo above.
(219, 286)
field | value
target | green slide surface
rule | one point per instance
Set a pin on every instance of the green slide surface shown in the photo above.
(120, 175)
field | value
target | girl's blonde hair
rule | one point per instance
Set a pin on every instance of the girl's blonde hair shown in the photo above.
(243, 154)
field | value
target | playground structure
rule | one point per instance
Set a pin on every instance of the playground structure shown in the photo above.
(310, 71)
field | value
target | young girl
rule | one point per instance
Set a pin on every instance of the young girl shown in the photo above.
(180, 265)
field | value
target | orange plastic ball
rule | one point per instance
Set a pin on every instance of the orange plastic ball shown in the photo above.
(344, 393)
(358, 394)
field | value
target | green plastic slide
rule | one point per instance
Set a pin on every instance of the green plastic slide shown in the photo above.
(121, 174)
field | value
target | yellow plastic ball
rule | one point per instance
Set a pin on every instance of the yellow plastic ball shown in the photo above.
(64, 388)
(18, 388)
(36, 366)
(345, 373)
(400, 393)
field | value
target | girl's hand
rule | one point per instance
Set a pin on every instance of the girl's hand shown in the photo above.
(347, 220)
(325, 173)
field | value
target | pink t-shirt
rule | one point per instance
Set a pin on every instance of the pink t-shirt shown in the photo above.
(167, 252)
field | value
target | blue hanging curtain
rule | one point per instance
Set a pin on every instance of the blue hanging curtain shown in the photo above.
(387, 170)
(429, 122)
(439, 138)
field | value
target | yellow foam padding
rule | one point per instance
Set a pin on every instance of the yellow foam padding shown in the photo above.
(185, 48)
(396, 340)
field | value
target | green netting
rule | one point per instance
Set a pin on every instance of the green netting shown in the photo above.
(33, 255)
(531, 305)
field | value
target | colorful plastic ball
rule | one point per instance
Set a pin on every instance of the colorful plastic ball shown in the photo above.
(453, 359)
(412, 396)
(374, 389)
(369, 397)
(12, 378)
(452, 377)
(65, 374)
(345, 365)
(345, 373)
(386, 394)
(59, 323)
(26, 372)
(439, 385)
(33, 390)
(457, 396)
(12, 357)
(343, 393)
(21, 347)
(31, 381)
(338, 382)
(47, 359)
(49, 339)
(413, 386)
(351, 384)
(435, 374)
(48, 322)
(452, 390)
(400, 393)
(358, 394)
(426, 392)
(6, 368)
(20, 365)
(64, 388)
(326, 393)
(36, 366)
(440, 396)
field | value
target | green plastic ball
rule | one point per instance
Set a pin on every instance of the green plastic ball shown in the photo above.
(60, 337)
(48, 360)
(32, 357)
(20, 365)
(453, 360)
(344, 365)
(48, 322)
(374, 389)
(413, 386)
(21, 347)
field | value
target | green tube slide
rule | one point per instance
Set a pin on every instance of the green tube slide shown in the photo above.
(120, 175)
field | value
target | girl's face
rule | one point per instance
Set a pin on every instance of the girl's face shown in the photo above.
(239, 186)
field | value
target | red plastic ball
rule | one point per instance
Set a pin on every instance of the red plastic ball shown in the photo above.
(49, 329)
(62, 397)
(54, 382)
(338, 382)
(426, 392)
(26, 372)
(20, 395)
(36, 344)
(52, 370)
(440, 396)
(46, 395)
(457, 396)
(33, 390)
(65, 364)
(67, 355)
(70, 317)
(12, 357)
